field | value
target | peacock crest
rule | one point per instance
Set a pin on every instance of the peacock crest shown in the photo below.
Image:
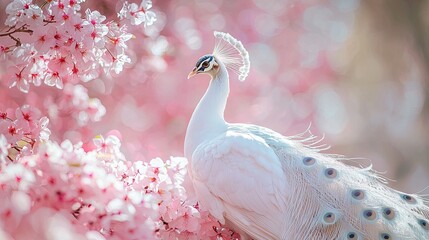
(232, 53)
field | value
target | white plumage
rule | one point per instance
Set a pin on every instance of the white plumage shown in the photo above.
(269, 186)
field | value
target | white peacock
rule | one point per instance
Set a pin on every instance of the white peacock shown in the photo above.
(268, 186)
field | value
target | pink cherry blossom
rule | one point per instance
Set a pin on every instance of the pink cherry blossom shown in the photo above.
(77, 27)
(138, 14)
(109, 145)
(130, 11)
(15, 11)
(118, 63)
(150, 17)
(53, 78)
(11, 131)
(119, 37)
(24, 130)
(188, 221)
(19, 80)
(37, 71)
(24, 53)
(99, 29)
(27, 117)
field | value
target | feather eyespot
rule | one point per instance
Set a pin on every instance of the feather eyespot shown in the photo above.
(385, 236)
(331, 173)
(329, 218)
(352, 236)
(407, 198)
(388, 213)
(424, 224)
(358, 194)
(308, 161)
(369, 214)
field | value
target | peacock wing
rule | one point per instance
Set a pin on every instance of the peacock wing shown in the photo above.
(238, 176)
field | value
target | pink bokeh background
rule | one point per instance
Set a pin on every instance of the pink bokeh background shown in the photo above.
(357, 71)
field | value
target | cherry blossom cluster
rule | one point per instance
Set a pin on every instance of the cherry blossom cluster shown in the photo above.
(179, 217)
(56, 43)
(136, 15)
(97, 194)
(21, 130)
(64, 182)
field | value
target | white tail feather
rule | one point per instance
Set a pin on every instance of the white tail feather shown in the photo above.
(331, 200)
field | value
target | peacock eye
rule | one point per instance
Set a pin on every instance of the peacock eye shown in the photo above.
(330, 173)
(329, 218)
(358, 194)
(351, 235)
(408, 198)
(205, 64)
(424, 224)
(385, 236)
(308, 161)
(369, 214)
(388, 213)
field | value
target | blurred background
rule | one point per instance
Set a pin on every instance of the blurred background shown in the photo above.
(356, 70)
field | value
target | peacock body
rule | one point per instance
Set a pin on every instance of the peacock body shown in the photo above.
(268, 186)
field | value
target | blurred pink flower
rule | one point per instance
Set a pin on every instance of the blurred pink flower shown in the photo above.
(109, 145)
(44, 132)
(17, 177)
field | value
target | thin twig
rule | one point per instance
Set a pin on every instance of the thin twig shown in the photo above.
(21, 29)
(111, 54)
(17, 148)
(48, 21)
(17, 30)
(44, 4)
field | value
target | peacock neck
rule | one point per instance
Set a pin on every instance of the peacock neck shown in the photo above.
(208, 117)
(212, 105)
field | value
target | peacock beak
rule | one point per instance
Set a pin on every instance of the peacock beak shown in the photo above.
(193, 73)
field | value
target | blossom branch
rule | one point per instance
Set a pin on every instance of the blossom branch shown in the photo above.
(22, 29)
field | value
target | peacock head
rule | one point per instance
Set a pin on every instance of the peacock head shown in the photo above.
(206, 64)
(229, 53)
